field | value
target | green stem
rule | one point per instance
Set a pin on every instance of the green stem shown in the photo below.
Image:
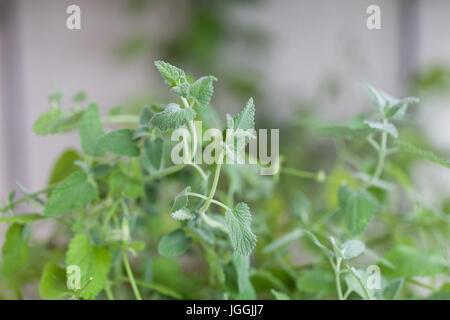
(381, 154)
(122, 118)
(304, 174)
(165, 172)
(337, 276)
(27, 197)
(109, 292)
(130, 275)
(214, 185)
(421, 284)
(108, 217)
(199, 170)
(213, 223)
(201, 196)
(194, 138)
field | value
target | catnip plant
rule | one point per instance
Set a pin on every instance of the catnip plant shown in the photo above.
(124, 214)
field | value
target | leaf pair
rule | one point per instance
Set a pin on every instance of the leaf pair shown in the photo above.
(389, 106)
(199, 93)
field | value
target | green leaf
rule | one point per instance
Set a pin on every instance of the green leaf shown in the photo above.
(120, 183)
(91, 130)
(72, 192)
(153, 154)
(21, 218)
(410, 262)
(182, 215)
(120, 142)
(172, 117)
(245, 120)
(356, 281)
(319, 244)
(428, 155)
(94, 263)
(174, 244)
(56, 120)
(53, 282)
(15, 249)
(391, 291)
(79, 97)
(377, 98)
(172, 75)
(352, 248)
(279, 295)
(100, 170)
(318, 281)
(160, 288)
(202, 90)
(64, 166)
(245, 288)
(357, 208)
(145, 116)
(182, 90)
(179, 209)
(239, 221)
(285, 240)
(388, 127)
(389, 106)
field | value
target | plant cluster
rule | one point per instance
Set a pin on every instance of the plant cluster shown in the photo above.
(131, 224)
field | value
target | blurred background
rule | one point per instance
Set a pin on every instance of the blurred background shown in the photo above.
(295, 57)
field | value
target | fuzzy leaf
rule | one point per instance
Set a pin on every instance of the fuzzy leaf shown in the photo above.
(357, 208)
(91, 130)
(53, 282)
(174, 244)
(389, 127)
(120, 142)
(15, 249)
(72, 192)
(202, 90)
(239, 221)
(172, 75)
(64, 166)
(428, 155)
(391, 291)
(245, 120)
(56, 121)
(94, 262)
(153, 154)
(352, 248)
(410, 262)
(172, 117)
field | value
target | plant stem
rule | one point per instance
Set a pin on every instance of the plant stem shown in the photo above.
(213, 223)
(421, 284)
(130, 275)
(122, 118)
(301, 173)
(194, 138)
(381, 154)
(214, 185)
(199, 169)
(27, 197)
(111, 212)
(337, 276)
(165, 172)
(201, 196)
